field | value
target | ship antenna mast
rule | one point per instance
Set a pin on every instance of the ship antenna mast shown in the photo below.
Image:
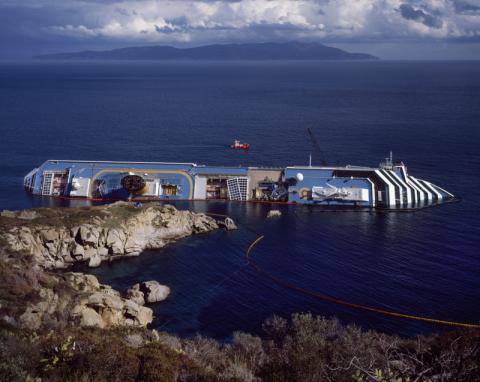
(317, 147)
(388, 164)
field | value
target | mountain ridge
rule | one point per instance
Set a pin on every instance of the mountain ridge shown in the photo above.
(249, 51)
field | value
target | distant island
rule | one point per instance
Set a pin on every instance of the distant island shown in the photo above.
(256, 51)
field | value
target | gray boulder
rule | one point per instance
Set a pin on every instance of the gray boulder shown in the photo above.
(88, 235)
(154, 292)
(274, 214)
(148, 291)
(94, 261)
(228, 224)
(8, 214)
(50, 235)
(28, 214)
(136, 295)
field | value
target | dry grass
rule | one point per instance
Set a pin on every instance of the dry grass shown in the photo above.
(113, 214)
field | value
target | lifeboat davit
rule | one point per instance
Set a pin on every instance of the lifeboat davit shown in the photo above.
(239, 145)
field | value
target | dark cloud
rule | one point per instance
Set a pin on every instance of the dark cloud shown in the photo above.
(179, 22)
(165, 30)
(464, 7)
(410, 13)
(123, 11)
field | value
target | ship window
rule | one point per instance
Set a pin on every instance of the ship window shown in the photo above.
(169, 189)
(169, 181)
(60, 180)
(217, 188)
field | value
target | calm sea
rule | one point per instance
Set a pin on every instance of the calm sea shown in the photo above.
(425, 263)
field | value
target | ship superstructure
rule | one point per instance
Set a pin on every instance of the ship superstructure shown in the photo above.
(386, 186)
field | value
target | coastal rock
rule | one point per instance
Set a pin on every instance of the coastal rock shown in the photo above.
(59, 238)
(136, 315)
(101, 306)
(103, 253)
(228, 224)
(50, 235)
(28, 215)
(148, 291)
(93, 235)
(203, 223)
(68, 259)
(107, 289)
(273, 214)
(116, 241)
(136, 295)
(34, 314)
(95, 261)
(78, 251)
(154, 292)
(8, 214)
(89, 317)
(89, 253)
(82, 282)
(31, 319)
(84, 302)
(134, 245)
(88, 235)
(107, 233)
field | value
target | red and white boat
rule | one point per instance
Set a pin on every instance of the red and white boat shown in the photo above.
(238, 145)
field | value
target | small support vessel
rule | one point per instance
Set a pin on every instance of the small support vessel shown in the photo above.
(238, 145)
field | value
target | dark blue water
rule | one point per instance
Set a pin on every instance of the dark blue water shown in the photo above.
(425, 263)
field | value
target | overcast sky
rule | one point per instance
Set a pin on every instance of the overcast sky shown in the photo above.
(392, 29)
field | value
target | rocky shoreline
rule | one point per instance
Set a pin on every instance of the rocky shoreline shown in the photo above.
(56, 239)
(59, 238)
(59, 325)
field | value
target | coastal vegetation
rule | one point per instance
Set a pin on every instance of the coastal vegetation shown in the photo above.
(305, 348)
(58, 325)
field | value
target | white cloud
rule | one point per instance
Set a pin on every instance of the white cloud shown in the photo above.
(210, 21)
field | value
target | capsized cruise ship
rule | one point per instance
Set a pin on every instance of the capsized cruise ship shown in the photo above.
(387, 186)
